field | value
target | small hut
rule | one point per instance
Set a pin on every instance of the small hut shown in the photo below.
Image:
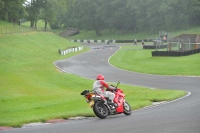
(185, 42)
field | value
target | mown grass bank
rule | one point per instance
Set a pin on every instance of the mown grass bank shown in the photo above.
(28, 77)
(33, 90)
(140, 60)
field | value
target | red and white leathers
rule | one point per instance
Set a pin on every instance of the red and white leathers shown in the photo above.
(98, 87)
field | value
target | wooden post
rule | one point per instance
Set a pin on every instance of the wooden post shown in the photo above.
(196, 46)
(169, 47)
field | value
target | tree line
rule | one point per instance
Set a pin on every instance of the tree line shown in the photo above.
(123, 15)
(52, 12)
(134, 15)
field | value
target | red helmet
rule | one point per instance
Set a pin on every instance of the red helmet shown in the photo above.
(100, 77)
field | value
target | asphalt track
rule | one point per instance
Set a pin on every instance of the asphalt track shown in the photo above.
(181, 116)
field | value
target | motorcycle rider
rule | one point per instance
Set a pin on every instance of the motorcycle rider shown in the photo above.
(99, 85)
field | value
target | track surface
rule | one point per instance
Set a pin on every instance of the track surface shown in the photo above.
(182, 116)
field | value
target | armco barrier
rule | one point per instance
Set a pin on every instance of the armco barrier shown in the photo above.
(67, 51)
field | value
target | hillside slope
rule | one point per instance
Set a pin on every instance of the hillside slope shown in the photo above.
(28, 78)
(26, 55)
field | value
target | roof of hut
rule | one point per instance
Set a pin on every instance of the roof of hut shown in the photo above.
(186, 38)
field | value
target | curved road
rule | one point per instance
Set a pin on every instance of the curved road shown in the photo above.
(181, 116)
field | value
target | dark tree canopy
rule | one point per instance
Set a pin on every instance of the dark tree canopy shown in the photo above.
(124, 15)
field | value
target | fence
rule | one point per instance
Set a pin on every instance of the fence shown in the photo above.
(67, 51)
(22, 30)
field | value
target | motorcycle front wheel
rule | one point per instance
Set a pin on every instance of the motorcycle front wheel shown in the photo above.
(127, 108)
(100, 109)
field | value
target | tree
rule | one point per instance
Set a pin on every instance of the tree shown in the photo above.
(11, 10)
(1, 5)
(120, 15)
(59, 13)
(48, 11)
(33, 9)
(89, 16)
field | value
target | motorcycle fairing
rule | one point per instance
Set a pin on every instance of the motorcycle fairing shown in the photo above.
(119, 99)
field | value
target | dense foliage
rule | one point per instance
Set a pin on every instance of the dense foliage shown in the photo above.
(11, 10)
(135, 15)
(124, 15)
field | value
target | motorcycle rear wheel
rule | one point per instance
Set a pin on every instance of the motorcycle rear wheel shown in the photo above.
(127, 108)
(100, 110)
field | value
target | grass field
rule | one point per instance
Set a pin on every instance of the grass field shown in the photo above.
(40, 24)
(33, 90)
(140, 60)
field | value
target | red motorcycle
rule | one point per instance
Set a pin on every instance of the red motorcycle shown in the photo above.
(102, 108)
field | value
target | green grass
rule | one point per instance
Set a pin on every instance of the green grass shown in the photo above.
(4, 24)
(140, 60)
(33, 90)
(31, 87)
(40, 24)
(9, 28)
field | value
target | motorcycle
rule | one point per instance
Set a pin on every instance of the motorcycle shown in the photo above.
(101, 105)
